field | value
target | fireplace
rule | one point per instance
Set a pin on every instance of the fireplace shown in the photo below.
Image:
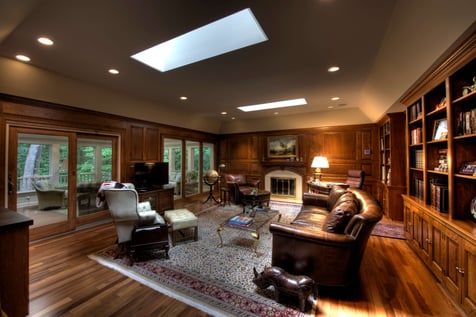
(284, 185)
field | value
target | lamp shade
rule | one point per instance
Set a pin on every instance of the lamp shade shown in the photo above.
(320, 162)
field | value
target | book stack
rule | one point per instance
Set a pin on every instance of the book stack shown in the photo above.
(415, 136)
(417, 159)
(418, 186)
(415, 111)
(439, 197)
(466, 122)
(240, 221)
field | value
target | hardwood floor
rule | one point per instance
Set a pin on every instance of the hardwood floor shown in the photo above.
(65, 282)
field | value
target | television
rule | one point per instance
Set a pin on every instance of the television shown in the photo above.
(148, 176)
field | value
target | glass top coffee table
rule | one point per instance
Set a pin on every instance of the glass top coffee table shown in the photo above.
(251, 222)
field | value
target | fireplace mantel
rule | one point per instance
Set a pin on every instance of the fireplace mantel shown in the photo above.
(283, 164)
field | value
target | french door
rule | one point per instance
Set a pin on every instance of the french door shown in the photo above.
(54, 176)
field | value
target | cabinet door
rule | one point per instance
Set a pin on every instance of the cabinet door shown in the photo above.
(151, 197)
(469, 278)
(165, 200)
(437, 262)
(426, 238)
(408, 221)
(452, 279)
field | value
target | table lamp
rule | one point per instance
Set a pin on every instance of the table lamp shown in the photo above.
(319, 162)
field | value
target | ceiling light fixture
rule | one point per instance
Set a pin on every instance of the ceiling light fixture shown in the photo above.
(224, 112)
(113, 71)
(233, 32)
(23, 58)
(333, 69)
(45, 41)
(274, 105)
(183, 98)
(335, 98)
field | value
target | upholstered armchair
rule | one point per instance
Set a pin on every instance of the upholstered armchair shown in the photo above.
(49, 197)
(138, 227)
(355, 178)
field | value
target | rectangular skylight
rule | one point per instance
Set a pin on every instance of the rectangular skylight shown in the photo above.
(233, 32)
(274, 105)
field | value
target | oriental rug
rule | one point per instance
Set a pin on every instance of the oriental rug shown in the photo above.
(216, 280)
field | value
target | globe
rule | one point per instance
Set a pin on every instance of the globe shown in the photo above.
(211, 177)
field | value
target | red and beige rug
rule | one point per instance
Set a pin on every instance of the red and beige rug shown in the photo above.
(213, 279)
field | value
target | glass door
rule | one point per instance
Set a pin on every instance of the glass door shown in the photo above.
(38, 178)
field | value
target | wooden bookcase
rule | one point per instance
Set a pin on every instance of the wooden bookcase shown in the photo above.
(392, 164)
(441, 139)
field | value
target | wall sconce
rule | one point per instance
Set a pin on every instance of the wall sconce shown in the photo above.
(319, 162)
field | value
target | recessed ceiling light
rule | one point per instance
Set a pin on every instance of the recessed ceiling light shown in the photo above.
(335, 98)
(276, 113)
(233, 118)
(233, 32)
(330, 107)
(274, 105)
(113, 71)
(183, 98)
(224, 112)
(333, 69)
(22, 58)
(45, 41)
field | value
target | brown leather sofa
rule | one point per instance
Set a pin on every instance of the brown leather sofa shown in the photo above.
(327, 239)
(240, 182)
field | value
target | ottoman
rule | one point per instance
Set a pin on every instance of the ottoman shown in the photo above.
(184, 224)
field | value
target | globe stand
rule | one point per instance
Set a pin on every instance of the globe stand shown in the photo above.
(210, 194)
(211, 178)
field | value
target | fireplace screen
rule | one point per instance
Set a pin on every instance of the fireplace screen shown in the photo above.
(283, 186)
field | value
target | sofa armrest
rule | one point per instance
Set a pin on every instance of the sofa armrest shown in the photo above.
(314, 234)
(254, 182)
(315, 199)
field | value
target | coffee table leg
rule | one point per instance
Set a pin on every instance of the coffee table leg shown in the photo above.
(219, 230)
(255, 236)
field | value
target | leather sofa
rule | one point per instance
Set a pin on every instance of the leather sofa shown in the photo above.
(327, 239)
(240, 182)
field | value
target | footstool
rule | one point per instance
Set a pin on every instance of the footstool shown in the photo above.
(182, 221)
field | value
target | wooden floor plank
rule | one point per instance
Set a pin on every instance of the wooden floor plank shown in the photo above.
(65, 282)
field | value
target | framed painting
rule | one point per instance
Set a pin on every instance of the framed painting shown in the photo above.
(285, 146)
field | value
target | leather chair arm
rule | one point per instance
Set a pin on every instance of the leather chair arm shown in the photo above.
(316, 235)
(255, 182)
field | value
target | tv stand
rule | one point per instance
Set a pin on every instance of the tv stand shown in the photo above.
(160, 199)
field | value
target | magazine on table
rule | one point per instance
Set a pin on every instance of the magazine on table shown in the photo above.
(240, 220)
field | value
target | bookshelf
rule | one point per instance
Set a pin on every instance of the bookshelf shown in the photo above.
(392, 166)
(440, 166)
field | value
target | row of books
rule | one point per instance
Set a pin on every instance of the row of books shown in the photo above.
(466, 122)
(439, 197)
(415, 111)
(416, 136)
(418, 188)
(417, 158)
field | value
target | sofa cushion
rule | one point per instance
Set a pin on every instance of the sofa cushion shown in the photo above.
(334, 195)
(339, 217)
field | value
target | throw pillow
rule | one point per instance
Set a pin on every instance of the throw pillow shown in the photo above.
(339, 217)
(334, 195)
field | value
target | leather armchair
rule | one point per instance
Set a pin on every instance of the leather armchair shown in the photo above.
(329, 257)
(238, 183)
(355, 178)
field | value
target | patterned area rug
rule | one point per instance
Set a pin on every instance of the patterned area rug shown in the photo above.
(389, 230)
(212, 279)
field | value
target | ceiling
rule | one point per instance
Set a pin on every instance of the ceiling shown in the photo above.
(305, 38)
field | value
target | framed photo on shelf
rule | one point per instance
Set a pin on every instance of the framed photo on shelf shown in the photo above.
(468, 168)
(285, 146)
(440, 130)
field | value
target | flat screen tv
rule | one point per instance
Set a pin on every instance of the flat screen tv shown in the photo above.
(151, 176)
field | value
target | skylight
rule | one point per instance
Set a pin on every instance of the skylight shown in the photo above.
(233, 32)
(274, 105)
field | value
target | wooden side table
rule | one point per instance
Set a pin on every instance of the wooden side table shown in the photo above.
(225, 196)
